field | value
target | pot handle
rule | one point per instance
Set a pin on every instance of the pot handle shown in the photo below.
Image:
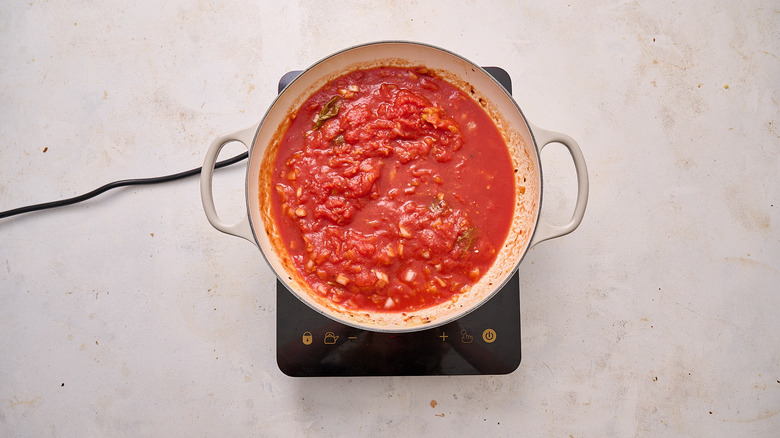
(545, 230)
(242, 228)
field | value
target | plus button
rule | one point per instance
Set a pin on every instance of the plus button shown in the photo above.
(443, 337)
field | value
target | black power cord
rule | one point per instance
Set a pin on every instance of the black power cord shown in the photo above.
(116, 184)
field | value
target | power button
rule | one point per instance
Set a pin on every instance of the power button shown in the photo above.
(489, 336)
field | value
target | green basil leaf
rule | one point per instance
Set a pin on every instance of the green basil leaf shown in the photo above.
(328, 111)
(466, 239)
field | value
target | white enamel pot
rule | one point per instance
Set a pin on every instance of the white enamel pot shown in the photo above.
(524, 140)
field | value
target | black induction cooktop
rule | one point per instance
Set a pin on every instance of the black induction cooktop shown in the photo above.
(483, 342)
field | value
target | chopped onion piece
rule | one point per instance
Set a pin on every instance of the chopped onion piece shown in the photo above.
(342, 280)
(382, 276)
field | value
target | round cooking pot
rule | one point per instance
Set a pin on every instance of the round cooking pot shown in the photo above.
(523, 139)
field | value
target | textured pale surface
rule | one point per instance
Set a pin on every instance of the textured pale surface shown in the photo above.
(130, 316)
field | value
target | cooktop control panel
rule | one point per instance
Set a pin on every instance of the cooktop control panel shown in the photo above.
(485, 341)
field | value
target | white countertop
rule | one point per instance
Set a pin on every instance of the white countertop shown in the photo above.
(129, 315)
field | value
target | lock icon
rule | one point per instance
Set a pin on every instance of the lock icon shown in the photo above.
(307, 338)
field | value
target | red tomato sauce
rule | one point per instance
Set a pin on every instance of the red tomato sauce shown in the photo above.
(394, 190)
